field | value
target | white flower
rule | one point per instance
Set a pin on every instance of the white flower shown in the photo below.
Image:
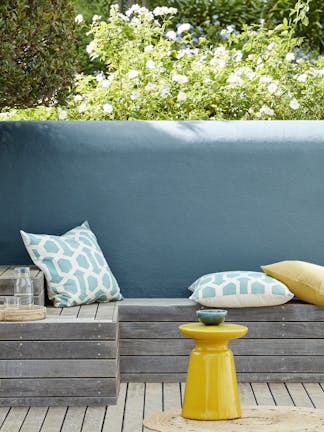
(134, 95)
(290, 56)
(181, 79)
(221, 50)
(171, 34)
(164, 10)
(150, 64)
(82, 108)
(272, 88)
(148, 48)
(78, 19)
(230, 28)
(99, 77)
(90, 47)
(165, 91)
(135, 21)
(302, 78)
(220, 63)
(234, 79)
(271, 46)
(77, 98)
(132, 73)
(105, 83)
(266, 110)
(108, 108)
(149, 86)
(294, 104)
(266, 79)
(208, 81)
(181, 96)
(183, 27)
(96, 18)
(134, 8)
(62, 115)
(238, 56)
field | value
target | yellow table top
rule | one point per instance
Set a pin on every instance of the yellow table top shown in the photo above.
(213, 332)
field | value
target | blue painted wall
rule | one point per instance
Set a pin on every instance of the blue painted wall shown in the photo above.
(168, 201)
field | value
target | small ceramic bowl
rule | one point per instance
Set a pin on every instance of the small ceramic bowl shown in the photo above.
(211, 316)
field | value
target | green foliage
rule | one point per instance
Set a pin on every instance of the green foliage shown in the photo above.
(152, 68)
(37, 52)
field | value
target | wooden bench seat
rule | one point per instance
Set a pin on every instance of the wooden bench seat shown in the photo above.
(284, 343)
(70, 358)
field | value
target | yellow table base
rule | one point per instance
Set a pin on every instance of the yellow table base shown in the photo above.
(211, 388)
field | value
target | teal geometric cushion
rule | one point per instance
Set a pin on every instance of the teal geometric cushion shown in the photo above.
(239, 289)
(74, 266)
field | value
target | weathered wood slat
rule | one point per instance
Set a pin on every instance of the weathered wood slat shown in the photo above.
(246, 364)
(70, 312)
(262, 394)
(86, 349)
(105, 311)
(114, 415)
(171, 396)
(262, 330)
(241, 346)
(54, 419)
(57, 401)
(88, 311)
(93, 419)
(144, 309)
(57, 368)
(153, 400)
(3, 414)
(62, 329)
(133, 417)
(73, 419)
(14, 419)
(299, 395)
(280, 394)
(246, 394)
(316, 394)
(48, 387)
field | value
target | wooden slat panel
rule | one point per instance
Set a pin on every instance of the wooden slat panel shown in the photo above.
(166, 309)
(57, 401)
(292, 377)
(53, 311)
(3, 414)
(240, 347)
(42, 387)
(175, 364)
(57, 368)
(54, 419)
(171, 396)
(34, 419)
(133, 418)
(316, 394)
(73, 419)
(70, 312)
(271, 330)
(54, 329)
(105, 311)
(114, 415)
(57, 349)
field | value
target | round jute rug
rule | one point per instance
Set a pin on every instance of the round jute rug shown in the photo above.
(254, 419)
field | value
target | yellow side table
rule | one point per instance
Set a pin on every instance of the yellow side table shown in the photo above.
(211, 387)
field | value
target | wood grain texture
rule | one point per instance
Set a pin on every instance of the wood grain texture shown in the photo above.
(74, 419)
(63, 401)
(54, 419)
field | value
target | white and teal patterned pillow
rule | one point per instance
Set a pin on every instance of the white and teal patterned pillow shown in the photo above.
(239, 289)
(74, 266)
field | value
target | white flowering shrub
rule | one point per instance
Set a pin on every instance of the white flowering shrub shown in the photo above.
(153, 69)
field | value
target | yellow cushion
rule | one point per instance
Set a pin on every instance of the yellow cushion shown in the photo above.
(304, 279)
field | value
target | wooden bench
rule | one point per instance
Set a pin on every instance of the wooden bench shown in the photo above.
(70, 358)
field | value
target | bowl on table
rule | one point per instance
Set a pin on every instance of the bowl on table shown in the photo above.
(211, 316)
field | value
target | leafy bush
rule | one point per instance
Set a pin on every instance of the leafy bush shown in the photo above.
(37, 52)
(152, 71)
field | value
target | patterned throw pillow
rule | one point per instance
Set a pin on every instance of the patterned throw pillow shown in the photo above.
(74, 266)
(239, 289)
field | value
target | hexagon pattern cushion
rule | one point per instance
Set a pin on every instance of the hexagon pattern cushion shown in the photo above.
(74, 266)
(239, 289)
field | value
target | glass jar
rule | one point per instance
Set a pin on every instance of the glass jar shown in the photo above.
(24, 287)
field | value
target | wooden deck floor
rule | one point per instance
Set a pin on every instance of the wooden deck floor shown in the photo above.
(137, 400)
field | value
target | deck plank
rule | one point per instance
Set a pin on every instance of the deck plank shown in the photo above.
(70, 312)
(14, 419)
(299, 395)
(262, 394)
(280, 394)
(73, 419)
(133, 419)
(316, 394)
(153, 400)
(88, 311)
(54, 419)
(171, 396)
(93, 419)
(114, 416)
(246, 394)
(34, 419)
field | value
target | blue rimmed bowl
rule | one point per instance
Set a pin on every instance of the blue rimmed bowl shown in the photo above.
(211, 316)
